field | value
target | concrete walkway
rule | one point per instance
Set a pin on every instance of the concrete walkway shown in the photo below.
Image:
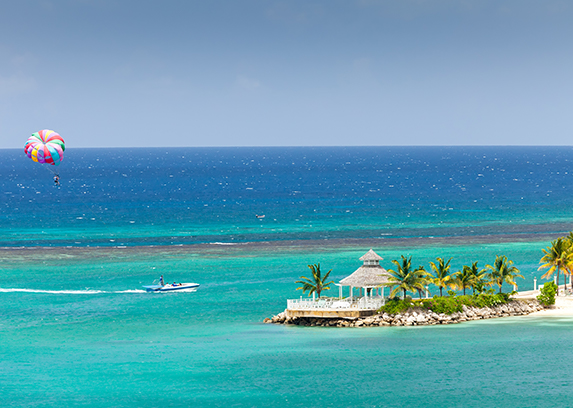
(563, 304)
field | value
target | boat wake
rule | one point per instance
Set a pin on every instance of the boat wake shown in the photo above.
(69, 292)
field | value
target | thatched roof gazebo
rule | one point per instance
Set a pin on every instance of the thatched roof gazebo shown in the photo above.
(369, 276)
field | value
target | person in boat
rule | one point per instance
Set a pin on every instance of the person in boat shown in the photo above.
(57, 180)
(161, 282)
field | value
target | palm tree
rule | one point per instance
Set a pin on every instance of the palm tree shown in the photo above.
(441, 277)
(557, 256)
(421, 288)
(315, 284)
(501, 271)
(406, 278)
(420, 280)
(464, 279)
(569, 267)
(480, 282)
(477, 281)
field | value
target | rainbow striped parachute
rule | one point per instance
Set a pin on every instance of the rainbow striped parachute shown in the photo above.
(45, 146)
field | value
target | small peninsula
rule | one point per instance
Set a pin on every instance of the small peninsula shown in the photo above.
(372, 308)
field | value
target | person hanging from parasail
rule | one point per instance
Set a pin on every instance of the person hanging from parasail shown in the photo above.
(46, 146)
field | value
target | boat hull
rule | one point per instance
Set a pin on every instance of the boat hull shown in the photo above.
(170, 287)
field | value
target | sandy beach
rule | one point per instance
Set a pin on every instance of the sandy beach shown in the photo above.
(563, 307)
(563, 304)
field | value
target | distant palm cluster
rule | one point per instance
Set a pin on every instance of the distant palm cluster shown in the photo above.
(405, 278)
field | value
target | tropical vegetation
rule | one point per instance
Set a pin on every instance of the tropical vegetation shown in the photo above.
(547, 294)
(558, 257)
(441, 274)
(502, 271)
(317, 283)
(406, 278)
(446, 304)
(468, 277)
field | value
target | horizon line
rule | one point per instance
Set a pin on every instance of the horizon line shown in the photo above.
(290, 146)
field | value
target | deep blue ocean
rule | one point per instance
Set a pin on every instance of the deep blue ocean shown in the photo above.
(77, 330)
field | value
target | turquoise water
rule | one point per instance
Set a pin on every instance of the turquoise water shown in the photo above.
(210, 347)
(76, 329)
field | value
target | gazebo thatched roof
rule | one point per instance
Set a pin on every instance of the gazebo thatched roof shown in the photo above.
(366, 276)
(371, 256)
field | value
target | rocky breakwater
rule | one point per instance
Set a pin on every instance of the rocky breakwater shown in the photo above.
(415, 316)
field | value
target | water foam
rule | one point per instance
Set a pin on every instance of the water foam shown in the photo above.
(68, 292)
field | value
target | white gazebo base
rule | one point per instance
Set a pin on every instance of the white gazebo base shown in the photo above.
(335, 314)
(349, 307)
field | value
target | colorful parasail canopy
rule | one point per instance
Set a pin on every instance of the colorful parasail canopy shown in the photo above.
(45, 146)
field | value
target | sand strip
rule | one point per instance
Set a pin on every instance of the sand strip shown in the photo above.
(563, 304)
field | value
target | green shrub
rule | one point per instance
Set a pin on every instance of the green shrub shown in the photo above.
(446, 304)
(547, 296)
(453, 304)
(490, 300)
(467, 300)
(395, 306)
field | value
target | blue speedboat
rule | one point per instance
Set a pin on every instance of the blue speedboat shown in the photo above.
(170, 287)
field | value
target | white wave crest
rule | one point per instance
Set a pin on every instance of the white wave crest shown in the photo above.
(129, 291)
(68, 292)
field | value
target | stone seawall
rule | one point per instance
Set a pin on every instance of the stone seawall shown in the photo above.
(415, 316)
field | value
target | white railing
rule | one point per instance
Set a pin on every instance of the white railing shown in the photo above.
(364, 303)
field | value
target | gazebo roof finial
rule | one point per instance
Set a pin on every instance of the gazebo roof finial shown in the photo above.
(369, 275)
(371, 256)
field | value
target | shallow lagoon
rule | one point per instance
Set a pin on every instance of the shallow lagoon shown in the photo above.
(210, 347)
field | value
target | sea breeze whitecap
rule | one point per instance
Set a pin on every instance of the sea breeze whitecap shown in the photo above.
(45, 146)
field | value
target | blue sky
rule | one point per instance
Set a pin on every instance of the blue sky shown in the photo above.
(281, 73)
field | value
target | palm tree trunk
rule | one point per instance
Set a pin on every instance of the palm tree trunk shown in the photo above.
(440, 291)
(557, 281)
(404, 293)
(464, 290)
